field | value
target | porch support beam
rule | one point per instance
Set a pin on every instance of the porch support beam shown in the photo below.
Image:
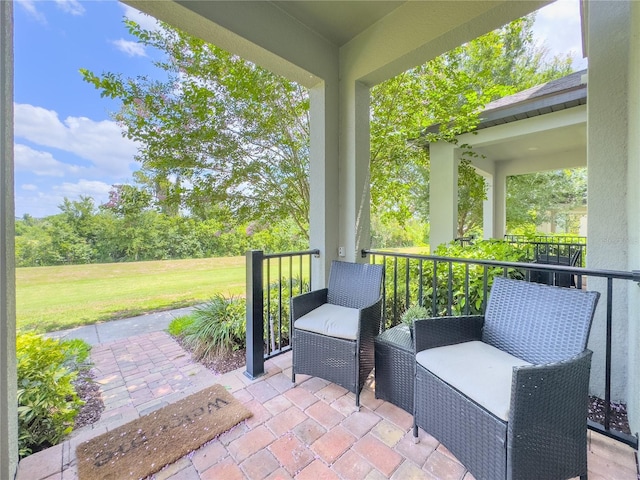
(323, 179)
(634, 220)
(355, 200)
(8, 369)
(488, 209)
(608, 160)
(443, 193)
(499, 203)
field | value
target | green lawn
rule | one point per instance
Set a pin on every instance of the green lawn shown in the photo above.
(54, 298)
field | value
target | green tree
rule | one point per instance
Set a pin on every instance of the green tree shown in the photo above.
(533, 198)
(234, 137)
(223, 137)
(448, 92)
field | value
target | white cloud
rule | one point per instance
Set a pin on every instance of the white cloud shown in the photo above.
(30, 187)
(101, 143)
(133, 49)
(74, 7)
(145, 21)
(30, 7)
(41, 163)
(92, 188)
(38, 203)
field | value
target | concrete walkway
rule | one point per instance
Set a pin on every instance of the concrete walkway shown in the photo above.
(107, 332)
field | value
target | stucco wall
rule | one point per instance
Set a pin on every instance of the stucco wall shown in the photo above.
(634, 219)
(607, 161)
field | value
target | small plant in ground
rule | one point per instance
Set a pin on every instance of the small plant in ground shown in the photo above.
(179, 325)
(218, 327)
(47, 399)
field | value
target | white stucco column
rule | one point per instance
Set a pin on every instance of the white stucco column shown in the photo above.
(355, 199)
(323, 179)
(8, 375)
(499, 203)
(443, 193)
(608, 159)
(633, 181)
(487, 208)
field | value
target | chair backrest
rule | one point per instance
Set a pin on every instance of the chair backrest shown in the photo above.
(538, 323)
(354, 285)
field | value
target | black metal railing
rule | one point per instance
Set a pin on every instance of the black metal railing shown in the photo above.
(553, 249)
(460, 286)
(272, 279)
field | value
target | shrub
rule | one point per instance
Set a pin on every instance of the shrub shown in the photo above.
(47, 399)
(179, 325)
(277, 303)
(402, 280)
(218, 327)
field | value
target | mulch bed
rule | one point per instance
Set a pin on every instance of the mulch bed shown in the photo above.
(617, 417)
(89, 391)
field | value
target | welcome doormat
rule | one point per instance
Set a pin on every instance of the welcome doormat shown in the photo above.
(142, 447)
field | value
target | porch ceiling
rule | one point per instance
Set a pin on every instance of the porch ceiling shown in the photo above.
(568, 143)
(314, 41)
(338, 21)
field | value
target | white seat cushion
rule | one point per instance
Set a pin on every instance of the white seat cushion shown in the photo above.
(331, 320)
(482, 372)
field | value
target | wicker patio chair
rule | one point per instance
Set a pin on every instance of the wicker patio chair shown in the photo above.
(507, 392)
(333, 328)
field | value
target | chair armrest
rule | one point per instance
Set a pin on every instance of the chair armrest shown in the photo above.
(549, 407)
(370, 317)
(304, 303)
(441, 331)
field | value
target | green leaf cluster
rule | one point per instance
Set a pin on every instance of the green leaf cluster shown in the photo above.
(47, 399)
(219, 135)
(223, 138)
(540, 197)
(411, 282)
(448, 92)
(120, 233)
(218, 327)
(277, 305)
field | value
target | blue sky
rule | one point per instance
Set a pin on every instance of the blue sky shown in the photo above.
(66, 144)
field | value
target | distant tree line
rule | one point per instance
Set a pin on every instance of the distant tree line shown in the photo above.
(120, 231)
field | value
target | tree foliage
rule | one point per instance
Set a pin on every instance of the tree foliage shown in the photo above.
(223, 138)
(448, 92)
(220, 135)
(120, 233)
(535, 197)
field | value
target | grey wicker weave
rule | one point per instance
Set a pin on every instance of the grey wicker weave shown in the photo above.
(545, 435)
(395, 366)
(341, 361)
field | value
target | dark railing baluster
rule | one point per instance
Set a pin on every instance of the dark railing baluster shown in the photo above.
(450, 289)
(407, 299)
(266, 342)
(466, 289)
(434, 285)
(395, 290)
(607, 371)
(420, 280)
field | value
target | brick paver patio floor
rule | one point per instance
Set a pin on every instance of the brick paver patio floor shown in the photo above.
(311, 431)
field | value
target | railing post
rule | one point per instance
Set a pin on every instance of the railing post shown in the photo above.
(255, 319)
